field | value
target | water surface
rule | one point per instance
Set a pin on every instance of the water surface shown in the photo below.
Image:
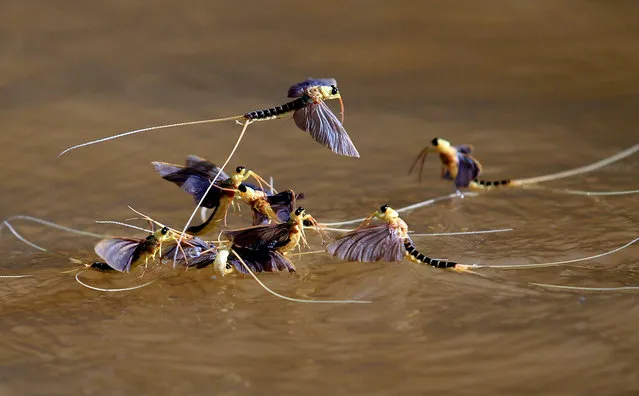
(536, 87)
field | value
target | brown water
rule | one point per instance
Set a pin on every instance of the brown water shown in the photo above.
(537, 87)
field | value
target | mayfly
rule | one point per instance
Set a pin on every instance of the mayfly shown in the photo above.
(310, 113)
(459, 165)
(385, 241)
(268, 208)
(195, 178)
(121, 254)
(264, 247)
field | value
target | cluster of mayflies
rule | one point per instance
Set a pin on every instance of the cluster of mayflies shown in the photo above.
(278, 224)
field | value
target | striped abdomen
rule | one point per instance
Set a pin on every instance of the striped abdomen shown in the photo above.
(277, 111)
(417, 256)
(481, 184)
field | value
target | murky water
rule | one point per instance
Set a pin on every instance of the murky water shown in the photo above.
(537, 87)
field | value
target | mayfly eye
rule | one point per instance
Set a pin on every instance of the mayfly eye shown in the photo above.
(240, 169)
(334, 91)
(164, 230)
(383, 208)
(435, 141)
(308, 223)
(299, 211)
(242, 188)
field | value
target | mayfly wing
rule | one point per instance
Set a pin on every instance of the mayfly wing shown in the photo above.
(119, 253)
(252, 259)
(369, 244)
(464, 148)
(277, 262)
(318, 120)
(188, 253)
(261, 261)
(283, 203)
(468, 170)
(297, 90)
(270, 236)
(191, 180)
(205, 167)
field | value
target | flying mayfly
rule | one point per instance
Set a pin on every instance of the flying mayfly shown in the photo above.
(310, 113)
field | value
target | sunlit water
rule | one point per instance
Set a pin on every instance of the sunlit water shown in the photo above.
(536, 87)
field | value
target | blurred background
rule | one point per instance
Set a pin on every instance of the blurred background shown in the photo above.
(536, 87)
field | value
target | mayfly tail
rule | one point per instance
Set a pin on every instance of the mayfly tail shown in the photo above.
(464, 232)
(56, 226)
(555, 263)
(77, 279)
(247, 268)
(197, 207)
(124, 225)
(583, 169)
(425, 259)
(21, 238)
(277, 111)
(7, 224)
(585, 288)
(596, 193)
(179, 124)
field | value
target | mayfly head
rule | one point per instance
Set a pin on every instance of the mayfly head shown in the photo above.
(386, 213)
(441, 145)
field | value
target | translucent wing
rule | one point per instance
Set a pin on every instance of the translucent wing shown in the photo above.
(194, 181)
(464, 148)
(369, 244)
(318, 120)
(194, 253)
(297, 90)
(468, 170)
(261, 261)
(205, 167)
(283, 203)
(264, 237)
(119, 253)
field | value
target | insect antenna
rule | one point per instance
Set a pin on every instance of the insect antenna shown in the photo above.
(247, 268)
(179, 124)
